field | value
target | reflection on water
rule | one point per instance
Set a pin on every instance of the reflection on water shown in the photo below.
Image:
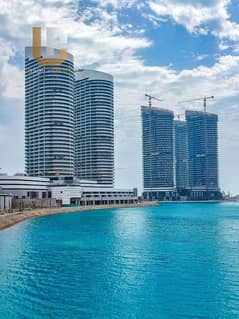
(172, 261)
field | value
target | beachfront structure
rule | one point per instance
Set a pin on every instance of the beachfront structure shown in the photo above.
(86, 193)
(94, 126)
(158, 153)
(49, 113)
(181, 154)
(202, 128)
(67, 189)
(25, 187)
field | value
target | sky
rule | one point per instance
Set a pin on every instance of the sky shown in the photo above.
(173, 49)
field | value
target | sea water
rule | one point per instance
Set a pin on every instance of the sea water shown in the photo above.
(172, 261)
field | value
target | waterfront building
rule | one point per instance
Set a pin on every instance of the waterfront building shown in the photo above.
(85, 193)
(94, 126)
(202, 128)
(158, 153)
(21, 186)
(49, 114)
(66, 189)
(181, 154)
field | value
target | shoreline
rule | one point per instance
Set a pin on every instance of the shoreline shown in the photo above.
(198, 202)
(11, 219)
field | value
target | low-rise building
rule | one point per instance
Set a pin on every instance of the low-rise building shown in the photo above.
(91, 193)
(68, 190)
(21, 186)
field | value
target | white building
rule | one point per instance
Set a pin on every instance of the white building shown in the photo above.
(49, 114)
(91, 193)
(94, 126)
(21, 186)
(67, 190)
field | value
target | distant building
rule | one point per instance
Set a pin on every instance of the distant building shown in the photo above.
(181, 154)
(94, 126)
(49, 115)
(202, 130)
(158, 153)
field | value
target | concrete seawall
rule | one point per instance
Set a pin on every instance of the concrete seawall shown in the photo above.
(8, 220)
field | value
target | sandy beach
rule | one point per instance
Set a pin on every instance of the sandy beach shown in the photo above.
(8, 220)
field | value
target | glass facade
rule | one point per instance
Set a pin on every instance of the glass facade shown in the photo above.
(202, 150)
(181, 154)
(158, 149)
(49, 116)
(94, 126)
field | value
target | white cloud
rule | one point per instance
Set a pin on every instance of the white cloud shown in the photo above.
(199, 17)
(223, 46)
(117, 4)
(201, 57)
(12, 80)
(12, 83)
(188, 14)
(228, 30)
(131, 73)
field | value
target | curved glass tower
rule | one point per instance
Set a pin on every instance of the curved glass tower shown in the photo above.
(94, 126)
(49, 115)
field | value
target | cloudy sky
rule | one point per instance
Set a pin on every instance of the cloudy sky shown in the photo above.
(173, 49)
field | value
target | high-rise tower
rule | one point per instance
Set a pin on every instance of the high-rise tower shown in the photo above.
(94, 126)
(181, 154)
(202, 130)
(49, 118)
(158, 153)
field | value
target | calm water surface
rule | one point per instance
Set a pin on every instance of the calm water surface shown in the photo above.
(168, 262)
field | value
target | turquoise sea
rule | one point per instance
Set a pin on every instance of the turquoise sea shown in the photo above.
(173, 261)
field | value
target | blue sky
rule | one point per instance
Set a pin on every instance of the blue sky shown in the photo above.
(173, 49)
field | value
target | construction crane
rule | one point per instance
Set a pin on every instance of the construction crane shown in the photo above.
(204, 99)
(150, 97)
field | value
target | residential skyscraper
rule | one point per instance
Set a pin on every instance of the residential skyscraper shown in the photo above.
(202, 130)
(158, 152)
(181, 154)
(49, 114)
(94, 126)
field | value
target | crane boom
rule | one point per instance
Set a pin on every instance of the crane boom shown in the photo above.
(150, 97)
(204, 99)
